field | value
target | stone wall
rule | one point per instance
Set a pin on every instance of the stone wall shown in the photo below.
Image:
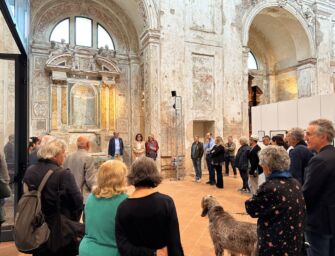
(198, 49)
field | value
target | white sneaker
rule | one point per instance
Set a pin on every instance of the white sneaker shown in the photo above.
(198, 180)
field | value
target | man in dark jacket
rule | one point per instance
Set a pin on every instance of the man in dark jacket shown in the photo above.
(299, 155)
(255, 169)
(319, 189)
(115, 147)
(197, 152)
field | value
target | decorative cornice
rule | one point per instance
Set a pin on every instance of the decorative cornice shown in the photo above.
(150, 36)
(323, 9)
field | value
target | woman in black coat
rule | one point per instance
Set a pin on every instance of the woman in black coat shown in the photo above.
(62, 185)
(217, 159)
(279, 206)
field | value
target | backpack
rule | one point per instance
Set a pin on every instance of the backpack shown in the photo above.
(30, 228)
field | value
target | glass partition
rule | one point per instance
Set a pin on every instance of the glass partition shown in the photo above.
(7, 132)
(20, 12)
(13, 107)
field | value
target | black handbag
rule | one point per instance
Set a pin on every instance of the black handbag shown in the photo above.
(66, 234)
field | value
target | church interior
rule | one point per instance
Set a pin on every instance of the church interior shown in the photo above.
(165, 68)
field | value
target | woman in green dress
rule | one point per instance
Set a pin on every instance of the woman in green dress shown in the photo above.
(100, 210)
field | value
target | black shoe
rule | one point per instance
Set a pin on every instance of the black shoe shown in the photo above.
(212, 184)
(208, 182)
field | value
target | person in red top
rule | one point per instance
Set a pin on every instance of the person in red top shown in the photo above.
(151, 147)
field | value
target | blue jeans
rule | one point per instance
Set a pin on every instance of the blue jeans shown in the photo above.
(321, 245)
(211, 171)
(197, 167)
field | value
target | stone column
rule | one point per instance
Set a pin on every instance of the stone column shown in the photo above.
(103, 106)
(135, 98)
(306, 78)
(54, 107)
(323, 43)
(64, 105)
(152, 91)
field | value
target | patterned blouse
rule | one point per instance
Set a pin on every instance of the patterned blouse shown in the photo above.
(280, 208)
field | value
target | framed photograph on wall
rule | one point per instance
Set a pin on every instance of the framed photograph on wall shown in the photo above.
(260, 134)
(277, 132)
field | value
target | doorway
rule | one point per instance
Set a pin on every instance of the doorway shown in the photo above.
(200, 128)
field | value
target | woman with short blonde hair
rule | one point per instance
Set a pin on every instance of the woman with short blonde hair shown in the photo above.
(111, 179)
(100, 210)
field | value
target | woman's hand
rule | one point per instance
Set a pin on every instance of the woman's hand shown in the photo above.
(162, 252)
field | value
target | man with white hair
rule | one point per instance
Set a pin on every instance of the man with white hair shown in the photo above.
(255, 169)
(299, 154)
(319, 189)
(81, 164)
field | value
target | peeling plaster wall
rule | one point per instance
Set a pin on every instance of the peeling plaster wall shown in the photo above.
(196, 48)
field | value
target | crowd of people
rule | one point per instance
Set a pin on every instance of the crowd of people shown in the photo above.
(291, 180)
(294, 201)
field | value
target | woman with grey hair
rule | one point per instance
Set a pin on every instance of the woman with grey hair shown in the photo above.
(241, 162)
(279, 206)
(60, 195)
(147, 222)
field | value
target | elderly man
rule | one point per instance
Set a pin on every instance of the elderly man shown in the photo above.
(230, 147)
(266, 140)
(319, 189)
(299, 155)
(208, 146)
(197, 150)
(81, 164)
(255, 169)
(115, 147)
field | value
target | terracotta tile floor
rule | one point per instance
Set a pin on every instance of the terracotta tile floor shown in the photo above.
(193, 228)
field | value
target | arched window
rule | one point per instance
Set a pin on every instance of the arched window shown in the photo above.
(83, 31)
(61, 31)
(252, 63)
(104, 38)
(84, 28)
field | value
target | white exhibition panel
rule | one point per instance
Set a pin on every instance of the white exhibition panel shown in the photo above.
(287, 114)
(328, 107)
(308, 110)
(269, 117)
(256, 118)
(294, 113)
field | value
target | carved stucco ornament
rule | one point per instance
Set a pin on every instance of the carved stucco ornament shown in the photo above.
(83, 62)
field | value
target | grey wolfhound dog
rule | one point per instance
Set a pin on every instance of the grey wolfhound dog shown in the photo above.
(227, 233)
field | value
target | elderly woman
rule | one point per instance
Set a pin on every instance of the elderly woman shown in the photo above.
(217, 159)
(241, 162)
(146, 222)
(151, 147)
(279, 206)
(60, 189)
(100, 210)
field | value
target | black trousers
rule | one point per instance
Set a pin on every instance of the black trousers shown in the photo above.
(244, 176)
(219, 178)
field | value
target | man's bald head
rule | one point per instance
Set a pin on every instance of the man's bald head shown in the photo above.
(83, 143)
